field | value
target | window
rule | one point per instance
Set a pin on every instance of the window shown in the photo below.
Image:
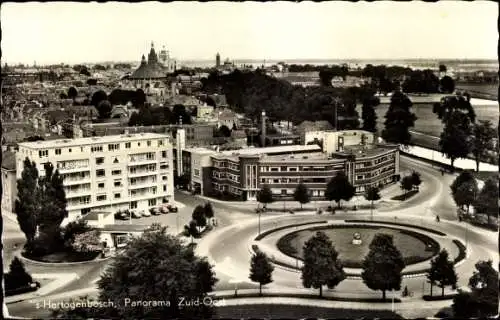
(115, 146)
(116, 172)
(118, 183)
(43, 153)
(138, 144)
(100, 173)
(164, 154)
(274, 169)
(164, 187)
(69, 150)
(360, 177)
(283, 191)
(152, 202)
(164, 178)
(283, 169)
(117, 195)
(99, 160)
(58, 151)
(148, 143)
(262, 180)
(293, 169)
(160, 143)
(164, 166)
(197, 172)
(101, 197)
(100, 185)
(127, 145)
(276, 180)
(116, 160)
(133, 205)
(95, 149)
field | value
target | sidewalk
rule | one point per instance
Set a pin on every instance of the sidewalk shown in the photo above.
(60, 280)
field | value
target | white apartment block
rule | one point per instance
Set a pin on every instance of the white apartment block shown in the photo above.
(109, 173)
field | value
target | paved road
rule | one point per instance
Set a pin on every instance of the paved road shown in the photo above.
(228, 244)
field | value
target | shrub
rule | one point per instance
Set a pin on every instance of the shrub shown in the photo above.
(461, 251)
(18, 276)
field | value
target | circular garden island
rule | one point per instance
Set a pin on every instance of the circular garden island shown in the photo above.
(414, 247)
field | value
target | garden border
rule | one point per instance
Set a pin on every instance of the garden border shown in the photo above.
(439, 233)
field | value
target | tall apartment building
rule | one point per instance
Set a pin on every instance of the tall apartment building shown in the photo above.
(109, 173)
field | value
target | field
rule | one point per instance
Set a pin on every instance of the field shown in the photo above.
(489, 89)
(428, 123)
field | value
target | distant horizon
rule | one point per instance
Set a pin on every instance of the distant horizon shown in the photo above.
(270, 60)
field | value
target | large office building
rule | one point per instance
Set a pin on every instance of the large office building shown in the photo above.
(109, 173)
(242, 173)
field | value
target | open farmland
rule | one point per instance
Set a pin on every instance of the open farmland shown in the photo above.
(477, 89)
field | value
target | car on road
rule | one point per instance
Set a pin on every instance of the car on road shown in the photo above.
(172, 208)
(135, 214)
(122, 215)
(154, 211)
(164, 209)
(145, 213)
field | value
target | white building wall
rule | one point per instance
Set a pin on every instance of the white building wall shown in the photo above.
(126, 171)
(9, 190)
(331, 138)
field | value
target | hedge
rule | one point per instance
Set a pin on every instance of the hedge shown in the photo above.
(310, 296)
(268, 232)
(438, 297)
(462, 251)
(439, 233)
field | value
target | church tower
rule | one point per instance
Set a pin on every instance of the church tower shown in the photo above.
(152, 57)
(217, 60)
(163, 56)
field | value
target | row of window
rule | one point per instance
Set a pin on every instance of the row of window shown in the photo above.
(366, 164)
(128, 145)
(292, 180)
(300, 168)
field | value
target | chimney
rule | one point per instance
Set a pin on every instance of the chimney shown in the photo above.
(263, 134)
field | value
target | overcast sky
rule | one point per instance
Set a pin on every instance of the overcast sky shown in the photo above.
(79, 32)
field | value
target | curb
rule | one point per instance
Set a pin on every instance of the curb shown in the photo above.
(56, 264)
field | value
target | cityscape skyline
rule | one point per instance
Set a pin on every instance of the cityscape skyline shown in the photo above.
(248, 31)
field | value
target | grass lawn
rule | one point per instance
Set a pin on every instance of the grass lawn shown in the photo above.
(428, 123)
(352, 254)
(281, 311)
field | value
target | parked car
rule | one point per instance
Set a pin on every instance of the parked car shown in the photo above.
(164, 209)
(172, 208)
(136, 215)
(145, 213)
(122, 215)
(154, 211)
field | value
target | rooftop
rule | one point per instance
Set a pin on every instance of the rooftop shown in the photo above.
(368, 150)
(234, 154)
(91, 140)
(300, 158)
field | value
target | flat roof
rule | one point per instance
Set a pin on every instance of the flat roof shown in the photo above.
(200, 150)
(270, 150)
(91, 140)
(300, 158)
(369, 150)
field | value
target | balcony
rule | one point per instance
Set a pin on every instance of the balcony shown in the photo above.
(142, 184)
(135, 161)
(142, 173)
(78, 193)
(64, 170)
(76, 181)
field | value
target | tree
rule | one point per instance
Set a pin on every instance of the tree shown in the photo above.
(104, 108)
(199, 216)
(17, 276)
(447, 84)
(265, 196)
(26, 204)
(85, 72)
(416, 180)
(301, 194)
(454, 141)
(465, 195)
(87, 241)
(191, 230)
(442, 272)
(53, 203)
(450, 104)
(224, 131)
(398, 120)
(382, 265)
(482, 301)
(482, 140)
(63, 96)
(372, 194)
(139, 99)
(155, 267)
(209, 210)
(487, 200)
(442, 68)
(339, 188)
(368, 113)
(407, 184)
(72, 229)
(321, 264)
(72, 93)
(261, 270)
(97, 97)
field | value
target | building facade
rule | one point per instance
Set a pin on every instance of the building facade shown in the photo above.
(9, 181)
(109, 173)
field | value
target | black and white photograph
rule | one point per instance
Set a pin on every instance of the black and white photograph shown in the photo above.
(249, 160)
